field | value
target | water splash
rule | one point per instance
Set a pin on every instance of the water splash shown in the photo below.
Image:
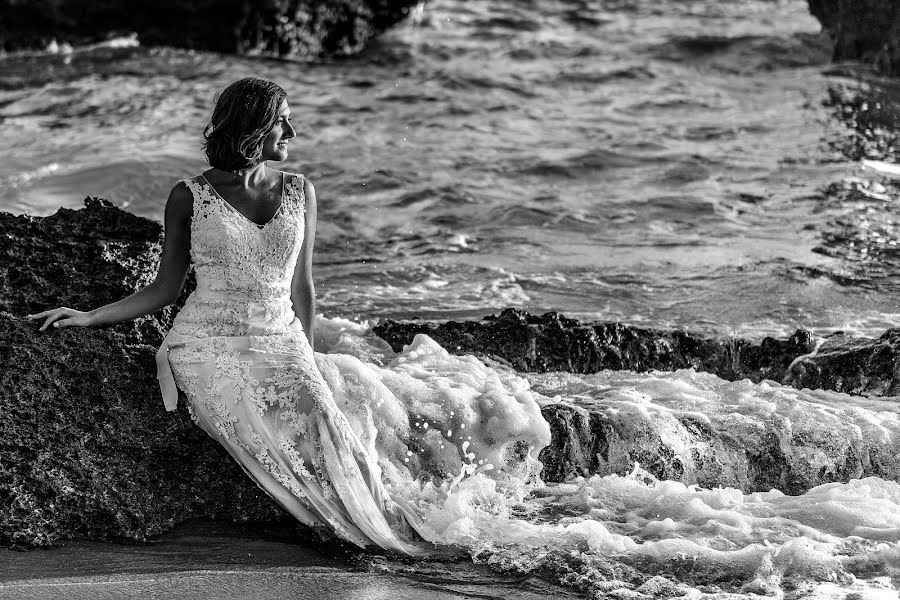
(457, 440)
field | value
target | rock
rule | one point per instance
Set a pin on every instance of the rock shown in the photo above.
(285, 28)
(853, 365)
(791, 444)
(86, 449)
(82, 259)
(866, 30)
(552, 342)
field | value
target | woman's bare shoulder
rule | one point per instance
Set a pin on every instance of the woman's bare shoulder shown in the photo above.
(309, 196)
(309, 188)
(180, 204)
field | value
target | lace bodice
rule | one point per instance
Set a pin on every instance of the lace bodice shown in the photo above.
(244, 270)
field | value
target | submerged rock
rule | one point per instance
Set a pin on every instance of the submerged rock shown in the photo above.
(294, 28)
(698, 429)
(87, 450)
(867, 30)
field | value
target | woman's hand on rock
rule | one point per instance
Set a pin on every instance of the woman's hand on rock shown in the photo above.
(62, 317)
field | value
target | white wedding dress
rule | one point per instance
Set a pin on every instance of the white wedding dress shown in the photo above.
(241, 357)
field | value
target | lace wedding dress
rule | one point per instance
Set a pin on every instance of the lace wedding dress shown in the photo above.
(242, 359)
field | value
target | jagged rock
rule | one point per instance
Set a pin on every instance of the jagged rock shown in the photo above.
(792, 449)
(552, 342)
(867, 30)
(82, 259)
(86, 449)
(295, 28)
(853, 365)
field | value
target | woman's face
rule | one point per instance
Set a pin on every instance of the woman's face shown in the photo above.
(276, 143)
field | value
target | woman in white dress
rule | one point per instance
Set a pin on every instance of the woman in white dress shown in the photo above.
(241, 348)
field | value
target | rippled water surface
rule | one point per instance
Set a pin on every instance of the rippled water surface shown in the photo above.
(691, 164)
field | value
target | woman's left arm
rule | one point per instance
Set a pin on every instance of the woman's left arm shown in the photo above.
(303, 292)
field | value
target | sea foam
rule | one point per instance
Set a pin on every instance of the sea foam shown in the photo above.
(458, 440)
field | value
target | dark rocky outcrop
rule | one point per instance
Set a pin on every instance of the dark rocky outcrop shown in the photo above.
(787, 451)
(81, 258)
(294, 28)
(86, 449)
(866, 30)
(552, 342)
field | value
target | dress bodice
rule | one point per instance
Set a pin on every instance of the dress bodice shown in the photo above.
(244, 270)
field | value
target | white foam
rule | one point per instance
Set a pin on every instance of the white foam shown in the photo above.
(626, 536)
(885, 168)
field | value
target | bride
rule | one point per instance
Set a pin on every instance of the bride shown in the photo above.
(241, 349)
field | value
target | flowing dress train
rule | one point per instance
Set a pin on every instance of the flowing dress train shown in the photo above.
(241, 357)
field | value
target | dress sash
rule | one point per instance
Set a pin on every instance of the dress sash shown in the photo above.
(166, 377)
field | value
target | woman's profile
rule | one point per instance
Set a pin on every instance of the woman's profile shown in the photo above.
(241, 348)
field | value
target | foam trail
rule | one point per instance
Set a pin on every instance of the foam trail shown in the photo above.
(882, 167)
(471, 473)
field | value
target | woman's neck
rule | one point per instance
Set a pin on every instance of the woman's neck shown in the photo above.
(248, 178)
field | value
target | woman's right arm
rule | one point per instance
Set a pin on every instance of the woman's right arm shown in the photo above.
(164, 290)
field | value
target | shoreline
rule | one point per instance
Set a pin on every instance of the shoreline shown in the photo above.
(216, 560)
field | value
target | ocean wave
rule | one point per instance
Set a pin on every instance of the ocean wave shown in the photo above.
(420, 290)
(631, 532)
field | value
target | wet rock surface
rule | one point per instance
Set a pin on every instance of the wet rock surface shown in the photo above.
(783, 449)
(285, 28)
(552, 342)
(88, 451)
(867, 30)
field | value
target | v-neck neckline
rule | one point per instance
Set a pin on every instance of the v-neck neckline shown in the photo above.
(259, 226)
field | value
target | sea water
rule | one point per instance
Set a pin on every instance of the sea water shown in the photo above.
(674, 164)
(671, 163)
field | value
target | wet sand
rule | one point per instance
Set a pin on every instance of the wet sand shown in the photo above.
(323, 584)
(204, 560)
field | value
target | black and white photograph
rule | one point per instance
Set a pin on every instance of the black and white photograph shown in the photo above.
(449, 299)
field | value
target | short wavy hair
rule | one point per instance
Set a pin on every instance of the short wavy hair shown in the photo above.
(245, 113)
